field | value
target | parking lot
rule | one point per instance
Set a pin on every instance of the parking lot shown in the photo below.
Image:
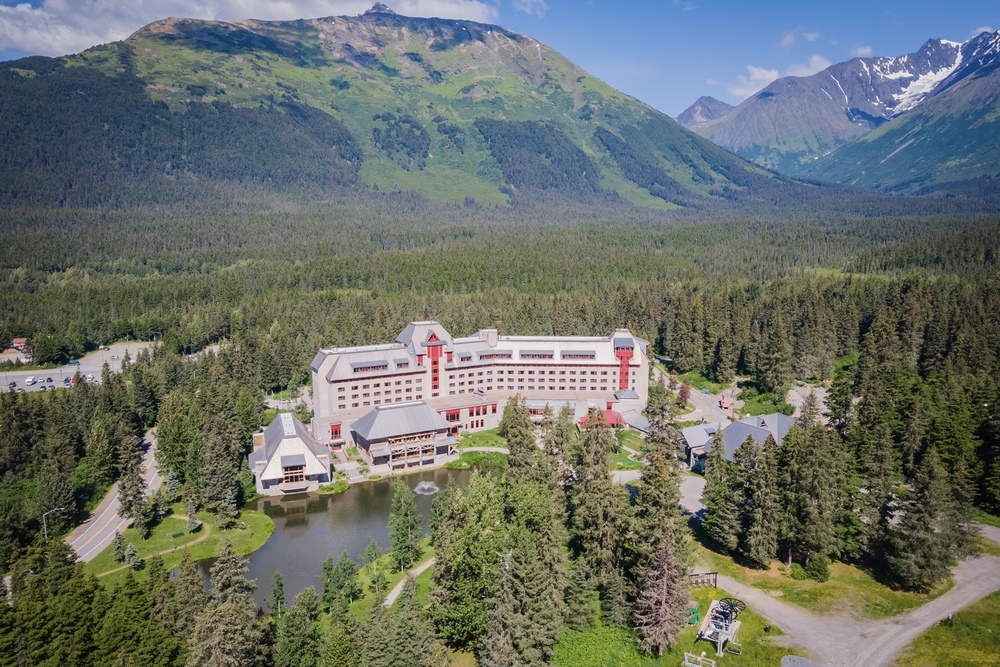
(90, 364)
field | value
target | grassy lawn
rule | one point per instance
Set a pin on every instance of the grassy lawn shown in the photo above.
(699, 382)
(205, 542)
(621, 461)
(848, 589)
(989, 547)
(360, 609)
(756, 403)
(481, 460)
(972, 641)
(630, 438)
(602, 645)
(988, 519)
(338, 486)
(488, 438)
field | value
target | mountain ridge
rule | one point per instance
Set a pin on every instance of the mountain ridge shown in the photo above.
(795, 121)
(450, 109)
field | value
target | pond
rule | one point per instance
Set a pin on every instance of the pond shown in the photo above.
(310, 527)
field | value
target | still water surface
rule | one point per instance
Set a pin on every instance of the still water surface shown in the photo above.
(309, 527)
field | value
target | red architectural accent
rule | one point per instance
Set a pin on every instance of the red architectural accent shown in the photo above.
(624, 356)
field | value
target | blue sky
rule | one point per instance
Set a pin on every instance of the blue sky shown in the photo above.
(665, 52)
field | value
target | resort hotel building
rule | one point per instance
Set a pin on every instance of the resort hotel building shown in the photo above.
(428, 386)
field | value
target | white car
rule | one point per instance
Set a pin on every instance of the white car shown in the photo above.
(30, 381)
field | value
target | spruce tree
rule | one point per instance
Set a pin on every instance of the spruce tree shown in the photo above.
(579, 600)
(721, 498)
(298, 640)
(755, 481)
(412, 635)
(339, 648)
(661, 609)
(616, 610)
(118, 547)
(276, 603)
(190, 597)
(131, 487)
(497, 646)
(404, 527)
(229, 576)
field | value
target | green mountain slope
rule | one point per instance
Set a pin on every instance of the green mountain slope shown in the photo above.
(449, 109)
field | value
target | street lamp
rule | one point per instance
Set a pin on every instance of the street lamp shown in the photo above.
(45, 526)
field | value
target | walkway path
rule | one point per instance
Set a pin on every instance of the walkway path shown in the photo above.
(95, 534)
(398, 588)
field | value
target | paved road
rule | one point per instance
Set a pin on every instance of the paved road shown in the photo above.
(91, 364)
(94, 535)
(398, 588)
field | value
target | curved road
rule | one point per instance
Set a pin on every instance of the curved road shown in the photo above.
(94, 535)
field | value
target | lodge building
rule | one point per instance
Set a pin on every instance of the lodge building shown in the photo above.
(393, 391)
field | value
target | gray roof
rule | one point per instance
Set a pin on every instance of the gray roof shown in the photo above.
(624, 342)
(636, 420)
(293, 460)
(285, 425)
(625, 394)
(735, 434)
(537, 352)
(416, 334)
(398, 419)
(318, 361)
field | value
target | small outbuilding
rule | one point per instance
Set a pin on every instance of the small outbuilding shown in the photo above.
(286, 459)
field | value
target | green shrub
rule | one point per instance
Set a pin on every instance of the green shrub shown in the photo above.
(798, 572)
(819, 568)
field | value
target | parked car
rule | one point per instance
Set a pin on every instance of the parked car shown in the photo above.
(12, 385)
(30, 380)
(20, 390)
(74, 362)
(48, 379)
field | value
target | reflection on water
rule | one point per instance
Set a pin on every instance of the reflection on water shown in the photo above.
(310, 527)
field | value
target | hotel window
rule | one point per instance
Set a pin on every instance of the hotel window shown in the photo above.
(365, 395)
(364, 386)
(520, 387)
(377, 385)
(531, 372)
(341, 390)
(365, 403)
(409, 382)
(354, 395)
(379, 402)
(354, 387)
(604, 372)
(419, 396)
(294, 473)
(342, 406)
(354, 405)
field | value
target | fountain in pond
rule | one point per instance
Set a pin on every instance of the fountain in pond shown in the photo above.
(426, 489)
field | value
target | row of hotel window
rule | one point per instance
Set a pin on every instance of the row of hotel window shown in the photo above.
(509, 387)
(451, 376)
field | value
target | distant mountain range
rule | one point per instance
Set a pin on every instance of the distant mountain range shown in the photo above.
(901, 123)
(454, 110)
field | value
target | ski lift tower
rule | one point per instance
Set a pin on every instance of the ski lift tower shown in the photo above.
(721, 627)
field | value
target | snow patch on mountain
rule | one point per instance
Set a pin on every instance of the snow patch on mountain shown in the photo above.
(924, 85)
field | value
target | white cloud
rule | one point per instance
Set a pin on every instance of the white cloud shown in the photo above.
(861, 51)
(757, 78)
(685, 5)
(536, 7)
(790, 38)
(748, 84)
(981, 29)
(817, 63)
(57, 27)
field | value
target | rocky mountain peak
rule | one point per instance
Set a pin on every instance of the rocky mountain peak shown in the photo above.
(379, 8)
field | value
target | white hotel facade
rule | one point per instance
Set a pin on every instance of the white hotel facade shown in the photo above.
(468, 380)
